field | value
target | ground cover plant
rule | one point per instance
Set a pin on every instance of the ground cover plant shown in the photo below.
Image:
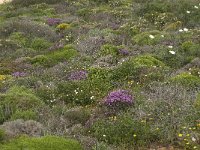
(100, 74)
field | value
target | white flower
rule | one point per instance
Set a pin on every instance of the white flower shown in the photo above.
(162, 36)
(196, 7)
(170, 46)
(172, 52)
(181, 30)
(104, 135)
(75, 92)
(185, 29)
(188, 12)
(92, 97)
(193, 139)
(151, 36)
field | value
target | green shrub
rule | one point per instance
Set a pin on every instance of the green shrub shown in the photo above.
(27, 42)
(123, 130)
(149, 38)
(63, 54)
(43, 143)
(100, 80)
(52, 58)
(76, 93)
(41, 60)
(186, 79)
(109, 50)
(19, 38)
(176, 60)
(190, 49)
(197, 101)
(18, 98)
(160, 19)
(39, 44)
(77, 116)
(99, 1)
(25, 115)
(22, 98)
(195, 71)
(173, 26)
(32, 2)
(139, 68)
(2, 135)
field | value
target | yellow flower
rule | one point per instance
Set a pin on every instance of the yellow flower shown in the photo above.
(188, 135)
(134, 135)
(180, 135)
(187, 143)
(63, 26)
(195, 147)
(2, 77)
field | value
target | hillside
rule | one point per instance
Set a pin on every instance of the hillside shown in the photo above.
(100, 75)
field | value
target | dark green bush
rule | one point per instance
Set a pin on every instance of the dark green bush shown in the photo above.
(43, 143)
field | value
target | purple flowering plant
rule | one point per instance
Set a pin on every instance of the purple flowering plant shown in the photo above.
(53, 21)
(78, 75)
(19, 74)
(119, 99)
(123, 52)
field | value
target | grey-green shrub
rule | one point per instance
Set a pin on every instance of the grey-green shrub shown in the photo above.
(26, 3)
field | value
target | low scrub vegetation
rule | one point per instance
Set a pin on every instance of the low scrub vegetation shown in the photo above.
(100, 74)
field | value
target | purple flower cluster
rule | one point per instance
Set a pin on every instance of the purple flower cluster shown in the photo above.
(123, 52)
(53, 21)
(19, 74)
(119, 97)
(78, 75)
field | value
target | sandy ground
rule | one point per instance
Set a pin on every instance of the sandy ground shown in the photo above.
(2, 1)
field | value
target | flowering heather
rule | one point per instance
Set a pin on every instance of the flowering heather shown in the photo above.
(119, 97)
(124, 52)
(53, 21)
(19, 74)
(78, 75)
